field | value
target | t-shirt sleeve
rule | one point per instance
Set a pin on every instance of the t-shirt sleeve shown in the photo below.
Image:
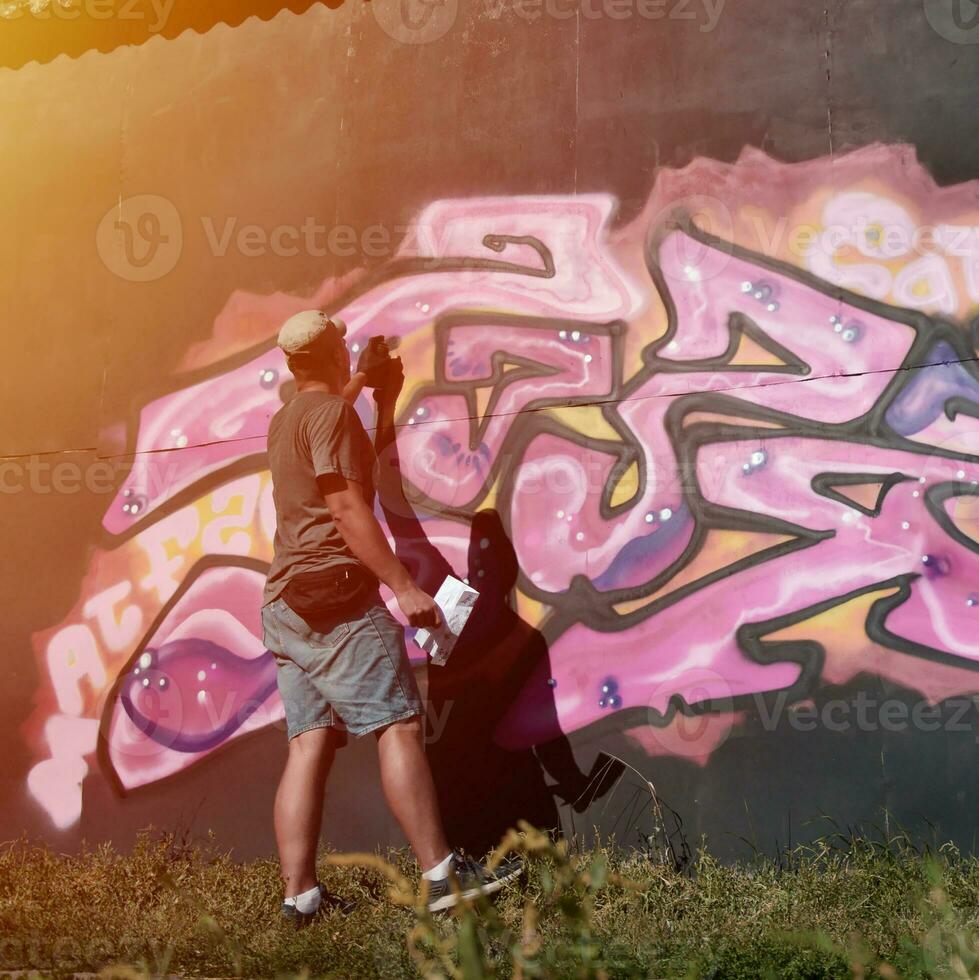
(332, 432)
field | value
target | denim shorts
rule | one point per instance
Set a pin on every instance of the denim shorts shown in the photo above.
(350, 673)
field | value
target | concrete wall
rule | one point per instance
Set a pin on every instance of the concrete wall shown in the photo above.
(684, 292)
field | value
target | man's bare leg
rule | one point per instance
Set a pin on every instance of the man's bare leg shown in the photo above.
(410, 791)
(299, 807)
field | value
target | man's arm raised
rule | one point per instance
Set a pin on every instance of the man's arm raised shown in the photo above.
(353, 388)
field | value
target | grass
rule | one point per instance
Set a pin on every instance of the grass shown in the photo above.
(841, 907)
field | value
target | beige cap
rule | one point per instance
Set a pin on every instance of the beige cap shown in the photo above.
(302, 329)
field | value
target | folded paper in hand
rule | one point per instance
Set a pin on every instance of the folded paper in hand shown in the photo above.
(455, 600)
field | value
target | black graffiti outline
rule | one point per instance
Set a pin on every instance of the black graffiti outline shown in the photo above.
(717, 402)
(577, 604)
(825, 484)
(870, 428)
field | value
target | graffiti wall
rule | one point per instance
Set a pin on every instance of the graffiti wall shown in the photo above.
(711, 458)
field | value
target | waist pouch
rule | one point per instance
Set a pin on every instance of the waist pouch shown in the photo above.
(328, 592)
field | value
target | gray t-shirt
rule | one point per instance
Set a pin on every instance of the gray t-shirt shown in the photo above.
(314, 434)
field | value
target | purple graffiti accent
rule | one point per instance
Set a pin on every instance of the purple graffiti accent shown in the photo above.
(178, 695)
(200, 678)
(571, 362)
(448, 451)
(556, 509)
(923, 400)
(942, 612)
(440, 457)
(632, 564)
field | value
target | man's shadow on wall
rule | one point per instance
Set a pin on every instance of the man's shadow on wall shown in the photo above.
(484, 789)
